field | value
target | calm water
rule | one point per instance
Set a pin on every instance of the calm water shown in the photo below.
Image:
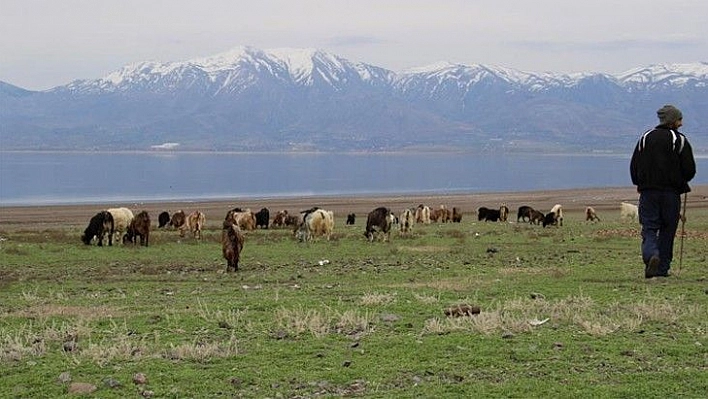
(67, 178)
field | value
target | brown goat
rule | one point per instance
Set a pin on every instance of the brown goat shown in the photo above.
(231, 244)
(456, 215)
(292, 220)
(536, 217)
(195, 223)
(178, 220)
(245, 220)
(279, 218)
(139, 226)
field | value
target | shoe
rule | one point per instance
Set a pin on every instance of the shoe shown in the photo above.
(652, 269)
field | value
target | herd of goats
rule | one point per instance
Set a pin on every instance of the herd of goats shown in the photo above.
(120, 223)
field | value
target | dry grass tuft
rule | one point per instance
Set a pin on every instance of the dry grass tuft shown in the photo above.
(121, 347)
(36, 335)
(597, 325)
(352, 322)
(15, 347)
(202, 352)
(378, 299)
(230, 318)
(485, 323)
(300, 321)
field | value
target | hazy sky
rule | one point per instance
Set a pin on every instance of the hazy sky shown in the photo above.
(46, 43)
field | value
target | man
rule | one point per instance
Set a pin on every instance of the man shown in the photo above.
(661, 167)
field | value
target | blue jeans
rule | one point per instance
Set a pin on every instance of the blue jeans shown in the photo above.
(659, 213)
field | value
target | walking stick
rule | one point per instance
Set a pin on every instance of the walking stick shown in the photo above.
(683, 233)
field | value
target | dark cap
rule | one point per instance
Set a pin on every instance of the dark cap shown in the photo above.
(668, 114)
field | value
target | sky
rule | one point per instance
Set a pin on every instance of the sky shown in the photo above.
(48, 43)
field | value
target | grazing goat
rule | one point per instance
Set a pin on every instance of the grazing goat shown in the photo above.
(292, 220)
(536, 217)
(447, 214)
(99, 225)
(486, 214)
(422, 214)
(231, 244)
(550, 219)
(406, 221)
(163, 219)
(554, 217)
(558, 210)
(629, 211)
(316, 222)
(591, 215)
(178, 220)
(442, 215)
(121, 221)
(493, 215)
(139, 226)
(262, 218)
(456, 215)
(279, 218)
(351, 218)
(195, 223)
(524, 214)
(434, 215)
(503, 212)
(379, 221)
(245, 220)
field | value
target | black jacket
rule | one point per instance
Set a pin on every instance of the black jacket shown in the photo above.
(663, 160)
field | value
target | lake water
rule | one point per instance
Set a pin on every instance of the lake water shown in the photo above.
(41, 178)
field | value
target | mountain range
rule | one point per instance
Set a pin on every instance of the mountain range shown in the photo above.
(248, 99)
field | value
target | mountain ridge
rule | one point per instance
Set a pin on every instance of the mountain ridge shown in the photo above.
(307, 99)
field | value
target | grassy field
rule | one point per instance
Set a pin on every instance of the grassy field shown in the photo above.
(564, 312)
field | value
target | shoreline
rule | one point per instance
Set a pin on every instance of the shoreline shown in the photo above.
(604, 199)
(116, 202)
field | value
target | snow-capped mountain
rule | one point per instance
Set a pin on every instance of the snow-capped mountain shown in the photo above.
(285, 99)
(235, 71)
(666, 76)
(468, 75)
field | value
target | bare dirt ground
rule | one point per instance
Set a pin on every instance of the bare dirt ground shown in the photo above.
(575, 200)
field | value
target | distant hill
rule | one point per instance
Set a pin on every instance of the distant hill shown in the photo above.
(249, 99)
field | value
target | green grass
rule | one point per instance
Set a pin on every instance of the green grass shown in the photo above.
(565, 312)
